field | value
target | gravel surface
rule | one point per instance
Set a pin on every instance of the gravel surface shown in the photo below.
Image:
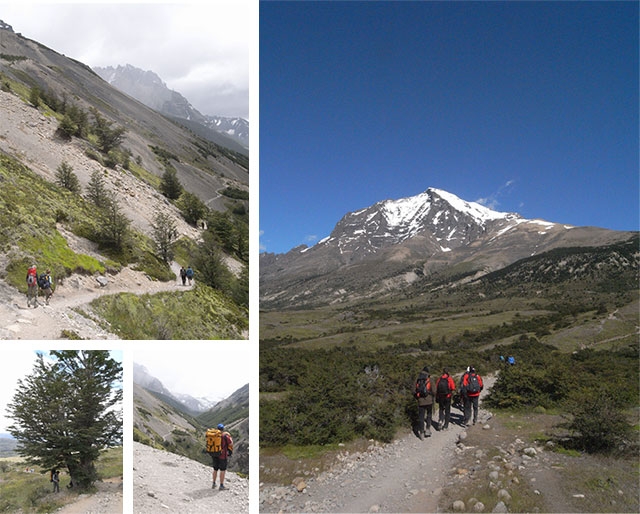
(165, 482)
(406, 475)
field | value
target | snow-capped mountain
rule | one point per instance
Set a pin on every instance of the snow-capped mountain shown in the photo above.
(148, 88)
(394, 242)
(142, 377)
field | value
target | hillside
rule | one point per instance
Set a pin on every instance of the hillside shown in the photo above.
(101, 218)
(161, 421)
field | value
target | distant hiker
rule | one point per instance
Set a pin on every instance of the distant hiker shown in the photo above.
(501, 359)
(424, 394)
(44, 282)
(183, 276)
(463, 394)
(444, 389)
(32, 286)
(511, 360)
(473, 386)
(55, 478)
(189, 274)
(220, 447)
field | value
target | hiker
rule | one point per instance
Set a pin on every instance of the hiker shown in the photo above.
(189, 274)
(444, 390)
(32, 286)
(473, 385)
(55, 478)
(44, 282)
(511, 360)
(424, 394)
(183, 276)
(463, 394)
(220, 454)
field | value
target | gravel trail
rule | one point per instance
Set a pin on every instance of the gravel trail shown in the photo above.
(406, 475)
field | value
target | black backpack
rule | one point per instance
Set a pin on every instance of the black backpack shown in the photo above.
(43, 282)
(473, 385)
(421, 387)
(443, 387)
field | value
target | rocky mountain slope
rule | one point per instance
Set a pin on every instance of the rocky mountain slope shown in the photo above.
(163, 481)
(162, 421)
(39, 91)
(395, 243)
(150, 89)
(33, 64)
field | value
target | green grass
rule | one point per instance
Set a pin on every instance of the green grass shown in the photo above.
(31, 492)
(200, 313)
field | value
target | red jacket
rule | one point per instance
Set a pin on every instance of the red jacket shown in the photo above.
(465, 384)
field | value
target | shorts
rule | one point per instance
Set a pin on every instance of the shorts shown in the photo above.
(218, 463)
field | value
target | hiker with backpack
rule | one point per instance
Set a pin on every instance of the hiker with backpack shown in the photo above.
(473, 386)
(190, 274)
(32, 286)
(220, 447)
(55, 478)
(463, 392)
(444, 390)
(183, 276)
(44, 282)
(424, 394)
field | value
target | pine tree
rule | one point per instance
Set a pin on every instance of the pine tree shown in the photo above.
(67, 410)
(96, 190)
(113, 224)
(170, 185)
(65, 177)
(164, 235)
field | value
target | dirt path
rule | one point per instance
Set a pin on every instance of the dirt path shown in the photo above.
(17, 321)
(406, 475)
(107, 500)
(166, 482)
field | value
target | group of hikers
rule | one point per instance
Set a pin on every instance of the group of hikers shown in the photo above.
(441, 391)
(186, 274)
(35, 283)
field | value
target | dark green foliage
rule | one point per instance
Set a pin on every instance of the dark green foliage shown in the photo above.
(34, 96)
(598, 423)
(113, 225)
(97, 190)
(209, 265)
(64, 412)
(234, 192)
(170, 185)
(108, 138)
(75, 122)
(191, 207)
(164, 234)
(164, 155)
(65, 177)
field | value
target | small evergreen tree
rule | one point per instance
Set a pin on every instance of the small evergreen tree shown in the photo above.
(170, 185)
(97, 190)
(164, 235)
(34, 96)
(65, 177)
(113, 224)
(191, 207)
(108, 138)
(67, 410)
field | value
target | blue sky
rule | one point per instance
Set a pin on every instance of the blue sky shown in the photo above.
(528, 107)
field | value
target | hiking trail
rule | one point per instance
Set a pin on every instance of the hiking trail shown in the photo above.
(107, 500)
(406, 475)
(17, 321)
(166, 482)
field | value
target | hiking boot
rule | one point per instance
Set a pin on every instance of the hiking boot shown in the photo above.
(427, 433)
(222, 487)
(213, 486)
(420, 436)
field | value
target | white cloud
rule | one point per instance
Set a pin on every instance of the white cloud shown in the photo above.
(492, 201)
(200, 49)
(211, 369)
